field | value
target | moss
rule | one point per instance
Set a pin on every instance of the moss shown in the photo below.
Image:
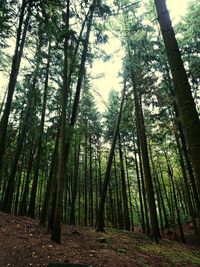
(174, 253)
(122, 251)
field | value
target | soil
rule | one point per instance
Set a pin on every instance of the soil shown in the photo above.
(24, 243)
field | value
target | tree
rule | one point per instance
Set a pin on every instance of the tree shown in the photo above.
(19, 46)
(65, 145)
(185, 102)
(100, 213)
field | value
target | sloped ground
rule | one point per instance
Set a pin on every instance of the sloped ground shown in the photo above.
(24, 243)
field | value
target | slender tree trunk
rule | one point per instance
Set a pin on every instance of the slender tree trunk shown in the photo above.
(145, 161)
(170, 173)
(99, 172)
(181, 198)
(91, 184)
(187, 188)
(159, 206)
(96, 184)
(3, 102)
(179, 127)
(20, 40)
(112, 216)
(53, 205)
(49, 185)
(23, 204)
(147, 224)
(74, 56)
(163, 208)
(86, 178)
(17, 190)
(56, 229)
(140, 192)
(74, 186)
(100, 213)
(31, 211)
(164, 191)
(119, 205)
(156, 189)
(129, 189)
(65, 143)
(7, 204)
(189, 167)
(161, 203)
(79, 198)
(124, 190)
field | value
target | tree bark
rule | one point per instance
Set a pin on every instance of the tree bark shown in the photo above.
(185, 102)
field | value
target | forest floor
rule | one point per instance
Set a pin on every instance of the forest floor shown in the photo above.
(24, 243)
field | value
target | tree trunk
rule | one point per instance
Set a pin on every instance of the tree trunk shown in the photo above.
(17, 189)
(86, 177)
(124, 190)
(31, 211)
(170, 173)
(112, 216)
(129, 189)
(49, 185)
(140, 192)
(65, 144)
(100, 213)
(147, 224)
(179, 127)
(91, 184)
(119, 204)
(21, 36)
(189, 167)
(74, 185)
(21, 139)
(185, 102)
(23, 204)
(164, 191)
(145, 162)
(187, 188)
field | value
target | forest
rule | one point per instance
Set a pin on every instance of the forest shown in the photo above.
(82, 171)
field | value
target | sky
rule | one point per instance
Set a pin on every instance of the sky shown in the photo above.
(177, 8)
(110, 69)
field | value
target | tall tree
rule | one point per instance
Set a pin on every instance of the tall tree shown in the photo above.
(185, 102)
(100, 212)
(24, 18)
(65, 144)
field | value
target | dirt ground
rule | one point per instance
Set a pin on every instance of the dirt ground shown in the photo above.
(24, 243)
